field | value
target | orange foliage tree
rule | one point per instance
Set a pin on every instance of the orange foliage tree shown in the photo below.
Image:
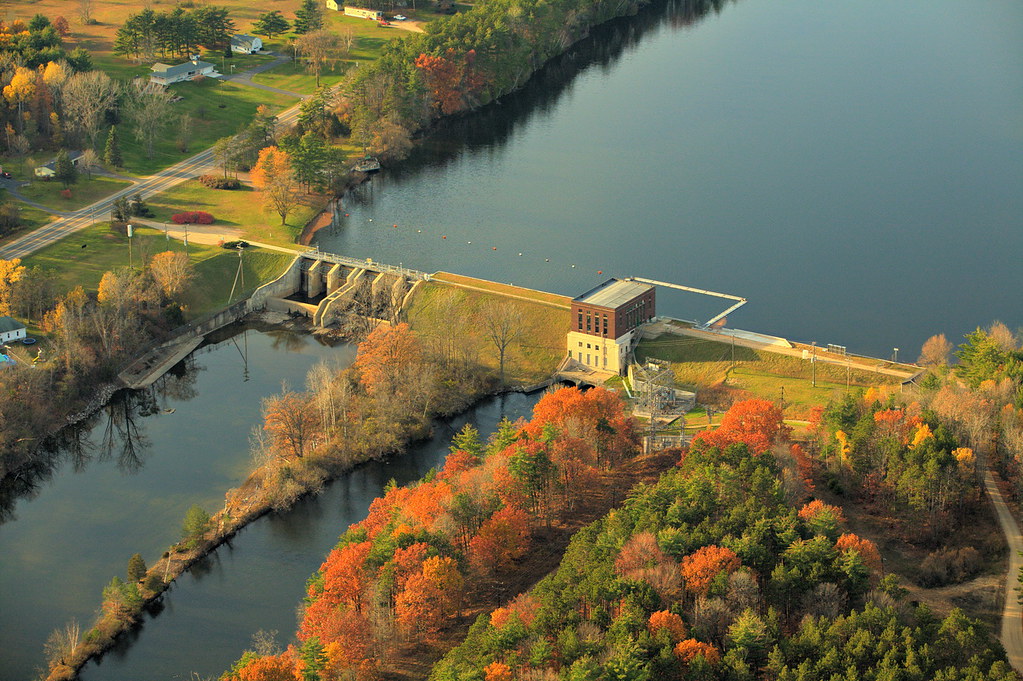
(755, 423)
(690, 648)
(386, 350)
(867, 549)
(430, 597)
(822, 518)
(453, 81)
(291, 422)
(497, 671)
(669, 622)
(701, 567)
(269, 668)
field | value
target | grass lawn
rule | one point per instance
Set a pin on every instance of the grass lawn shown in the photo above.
(506, 289)
(31, 218)
(294, 77)
(216, 109)
(445, 314)
(370, 37)
(83, 257)
(83, 192)
(242, 209)
(708, 366)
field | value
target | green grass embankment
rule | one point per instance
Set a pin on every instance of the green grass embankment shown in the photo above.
(82, 258)
(708, 367)
(83, 192)
(445, 313)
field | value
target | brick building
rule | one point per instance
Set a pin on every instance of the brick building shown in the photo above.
(604, 321)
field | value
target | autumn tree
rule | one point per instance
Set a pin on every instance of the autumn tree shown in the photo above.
(172, 271)
(935, 351)
(274, 176)
(756, 423)
(290, 421)
(701, 567)
(430, 597)
(11, 272)
(391, 140)
(386, 350)
(501, 539)
(822, 519)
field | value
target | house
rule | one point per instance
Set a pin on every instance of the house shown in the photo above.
(11, 330)
(164, 74)
(604, 323)
(358, 12)
(49, 170)
(246, 44)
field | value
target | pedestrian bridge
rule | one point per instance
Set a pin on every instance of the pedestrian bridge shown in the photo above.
(325, 286)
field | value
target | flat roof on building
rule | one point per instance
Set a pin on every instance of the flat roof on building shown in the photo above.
(613, 293)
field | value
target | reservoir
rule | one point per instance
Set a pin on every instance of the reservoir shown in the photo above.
(854, 169)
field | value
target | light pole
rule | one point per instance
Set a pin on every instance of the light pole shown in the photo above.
(895, 358)
(131, 232)
(813, 362)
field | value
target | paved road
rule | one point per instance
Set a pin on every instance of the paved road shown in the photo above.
(100, 211)
(1012, 616)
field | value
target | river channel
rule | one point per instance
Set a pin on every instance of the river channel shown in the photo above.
(121, 482)
(854, 169)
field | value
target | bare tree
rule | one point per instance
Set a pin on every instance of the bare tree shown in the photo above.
(502, 326)
(148, 106)
(935, 351)
(62, 643)
(171, 270)
(320, 49)
(1005, 339)
(87, 97)
(89, 161)
(85, 11)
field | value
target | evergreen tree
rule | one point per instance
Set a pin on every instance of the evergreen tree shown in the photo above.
(308, 17)
(64, 170)
(112, 153)
(136, 568)
(271, 24)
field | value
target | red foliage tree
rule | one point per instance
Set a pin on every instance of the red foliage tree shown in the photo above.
(502, 538)
(344, 576)
(701, 567)
(453, 81)
(269, 668)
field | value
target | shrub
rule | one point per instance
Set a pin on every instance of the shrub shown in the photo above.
(192, 217)
(65, 193)
(949, 566)
(217, 182)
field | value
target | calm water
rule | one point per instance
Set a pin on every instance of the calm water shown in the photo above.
(854, 169)
(257, 581)
(122, 483)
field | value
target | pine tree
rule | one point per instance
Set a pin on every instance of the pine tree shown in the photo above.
(112, 153)
(136, 567)
(64, 170)
(308, 17)
(271, 24)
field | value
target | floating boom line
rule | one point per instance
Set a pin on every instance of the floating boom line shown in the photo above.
(740, 301)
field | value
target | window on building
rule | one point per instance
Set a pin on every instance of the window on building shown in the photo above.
(580, 343)
(580, 320)
(589, 326)
(588, 346)
(605, 323)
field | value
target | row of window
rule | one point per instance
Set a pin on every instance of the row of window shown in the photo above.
(593, 322)
(587, 362)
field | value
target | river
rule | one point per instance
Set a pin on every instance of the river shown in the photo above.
(854, 169)
(121, 483)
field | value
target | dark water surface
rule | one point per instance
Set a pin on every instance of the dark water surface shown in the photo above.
(121, 483)
(855, 169)
(258, 580)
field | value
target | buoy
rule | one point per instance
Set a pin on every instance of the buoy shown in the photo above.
(493, 248)
(371, 219)
(573, 265)
(520, 254)
(468, 242)
(346, 214)
(546, 259)
(443, 237)
(396, 226)
(419, 230)
(600, 271)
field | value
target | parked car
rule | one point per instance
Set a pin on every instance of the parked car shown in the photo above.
(6, 175)
(384, 22)
(400, 17)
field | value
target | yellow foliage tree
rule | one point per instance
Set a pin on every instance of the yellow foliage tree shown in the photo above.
(274, 176)
(11, 271)
(22, 87)
(921, 434)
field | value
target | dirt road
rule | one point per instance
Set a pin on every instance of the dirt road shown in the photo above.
(1012, 616)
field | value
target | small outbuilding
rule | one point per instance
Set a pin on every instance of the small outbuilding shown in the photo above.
(357, 12)
(246, 44)
(164, 74)
(11, 329)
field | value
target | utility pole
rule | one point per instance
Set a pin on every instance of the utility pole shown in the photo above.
(895, 359)
(813, 363)
(131, 232)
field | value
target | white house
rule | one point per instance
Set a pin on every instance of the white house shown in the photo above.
(50, 169)
(11, 329)
(246, 44)
(164, 74)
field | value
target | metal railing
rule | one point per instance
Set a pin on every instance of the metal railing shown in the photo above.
(367, 264)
